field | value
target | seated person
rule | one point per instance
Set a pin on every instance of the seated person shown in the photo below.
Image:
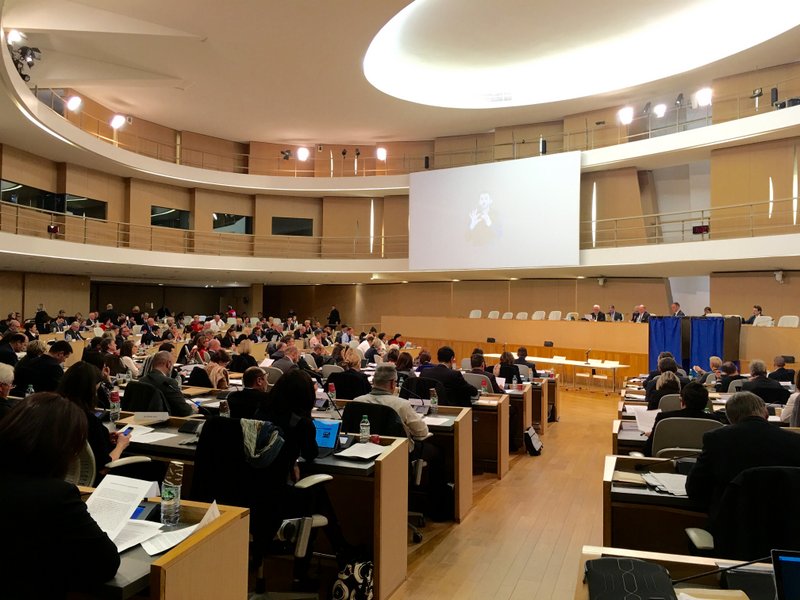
(478, 364)
(749, 441)
(791, 410)
(45, 371)
(757, 311)
(351, 382)
(245, 402)
(217, 371)
(9, 346)
(781, 373)
(522, 359)
(654, 374)
(159, 377)
(79, 385)
(320, 358)
(458, 391)
(404, 363)
(665, 364)
(424, 361)
(729, 372)
(769, 390)
(6, 383)
(39, 438)
(507, 369)
(376, 348)
(243, 359)
(667, 383)
(714, 363)
(694, 400)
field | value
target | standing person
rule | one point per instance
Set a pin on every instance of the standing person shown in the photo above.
(333, 318)
(39, 438)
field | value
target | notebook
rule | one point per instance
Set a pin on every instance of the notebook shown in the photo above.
(327, 435)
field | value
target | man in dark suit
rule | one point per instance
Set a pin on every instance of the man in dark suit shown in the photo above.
(613, 315)
(459, 392)
(640, 315)
(478, 365)
(757, 311)
(665, 364)
(729, 373)
(769, 390)
(245, 402)
(694, 399)
(288, 361)
(333, 318)
(45, 371)
(781, 373)
(522, 359)
(11, 344)
(675, 308)
(750, 441)
(597, 314)
(159, 378)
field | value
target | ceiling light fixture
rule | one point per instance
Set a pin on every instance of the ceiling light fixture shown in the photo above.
(659, 110)
(302, 154)
(703, 97)
(625, 115)
(380, 153)
(74, 103)
(118, 121)
(679, 100)
(14, 37)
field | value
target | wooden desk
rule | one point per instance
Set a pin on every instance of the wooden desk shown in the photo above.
(455, 441)
(524, 400)
(192, 391)
(679, 566)
(548, 406)
(490, 434)
(626, 437)
(211, 563)
(371, 502)
(642, 519)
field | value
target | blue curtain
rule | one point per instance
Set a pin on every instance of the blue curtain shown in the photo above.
(707, 339)
(665, 336)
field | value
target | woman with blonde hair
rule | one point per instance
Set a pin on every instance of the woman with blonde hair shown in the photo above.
(350, 383)
(243, 359)
(667, 383)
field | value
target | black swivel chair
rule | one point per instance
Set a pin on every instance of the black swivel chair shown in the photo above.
(384, 420)
(223, 473)
(743, 527)
(420, 387)
(143, 397)
(199, 378)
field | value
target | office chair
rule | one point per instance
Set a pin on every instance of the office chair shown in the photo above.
(222, 473)
(326, 370)
(384, 420)
(143, 397)
(670, 402)
(273, 374)
(763, 321)
(475, 314)
(83, 468)
(199, 378)
(420, 387)
(538, 315)
(466, 364)
(525, 372)
(736, 385)
(742, 528)
(522, 316)
(493, 314)
(481, 382)
(555, 315)
(789, 321)
(507, 316)
(678, 436)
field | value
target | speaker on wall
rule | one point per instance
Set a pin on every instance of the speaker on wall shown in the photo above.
(427, 162)
(773, 96)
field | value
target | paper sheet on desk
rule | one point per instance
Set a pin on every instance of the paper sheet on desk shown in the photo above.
(167, 539)
(135, 532)
(435, 420)
(635, 396)
(150, 438)
(670, 483)
(360, 451)
(645, 420)
(114, 501)
(633, 409)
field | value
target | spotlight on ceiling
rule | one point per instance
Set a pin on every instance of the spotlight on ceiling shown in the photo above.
(74, 103)
(646, 109)
(29, 54)
(703, 97)
(358, 152)
(286, 154)
(302, 154)
(14, 37)
(679, 100)
(625, 115)
(659, 110)
(118, 121)
(757, 93)
(380, 154)
(344, 152)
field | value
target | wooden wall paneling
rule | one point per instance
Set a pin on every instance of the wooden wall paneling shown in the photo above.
(395, 225)
(267, 207)
(485, 295)
(266, 159)
(11, 292)
(618, 197)
(207, 152)
(462, 150)
(206, 239)
(624, 294)
(731, 94)
(593, 129)
(56, 292)
(649, 203)
(405, 157)
(343, 165)
(97, 185)
(28, 169)
(344, 220)
(530, 295)
(522, 141)
(736, 293)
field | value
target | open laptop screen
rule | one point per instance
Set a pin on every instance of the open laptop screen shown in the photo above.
(787, 574)
(327, 432)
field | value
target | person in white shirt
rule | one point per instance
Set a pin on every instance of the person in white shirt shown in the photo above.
(217, 324)
(365, 344)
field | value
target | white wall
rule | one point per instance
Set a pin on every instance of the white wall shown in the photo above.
(693, 293)
(682, 188)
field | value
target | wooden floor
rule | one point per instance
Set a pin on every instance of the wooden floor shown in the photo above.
(524, 535)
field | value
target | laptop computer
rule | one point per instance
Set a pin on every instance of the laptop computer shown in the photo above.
(786, 564)
(327, 436)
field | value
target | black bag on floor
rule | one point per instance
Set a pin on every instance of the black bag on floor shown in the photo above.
(354, 581)
(533, 444)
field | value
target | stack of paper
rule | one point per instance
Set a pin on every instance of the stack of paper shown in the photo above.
(669, 483)
(366, 451)
(645, 419)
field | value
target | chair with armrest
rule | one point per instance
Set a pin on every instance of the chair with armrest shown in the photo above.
(475, 314)
(83, 468)
(522, 316)
(538, 315)
(678, 436)
(555, 315)
(223, 473)
(326, 370)
(524, 372)
(143, 397)
(273, 374)
(789, 321)
(507, 316)
(384, 420)
(669, 402)
(763, 321)
(741, 527)
(466, 364)
(481, 382)
(199, 378)
(493, 314)
(420, 387)
(736, 386)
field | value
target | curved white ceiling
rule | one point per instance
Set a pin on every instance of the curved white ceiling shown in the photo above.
(457, 54)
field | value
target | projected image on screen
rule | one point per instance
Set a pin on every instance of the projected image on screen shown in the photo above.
(515, 214)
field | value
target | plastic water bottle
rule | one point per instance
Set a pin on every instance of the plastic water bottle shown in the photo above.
(114, 406)
(434, 401)
(224, 409)
(171, 494)
(29, 390)
(363, 433)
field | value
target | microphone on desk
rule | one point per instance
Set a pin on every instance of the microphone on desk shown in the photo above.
(587, 355)
(648, 466)
(723, 569)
